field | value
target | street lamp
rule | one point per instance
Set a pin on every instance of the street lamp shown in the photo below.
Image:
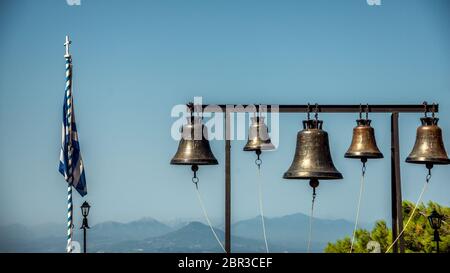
(85, 212)
(435, 220)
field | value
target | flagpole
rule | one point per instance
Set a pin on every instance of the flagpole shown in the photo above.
(68, 90)
(69, 219)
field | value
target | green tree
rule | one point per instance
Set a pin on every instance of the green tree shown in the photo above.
(418, 235)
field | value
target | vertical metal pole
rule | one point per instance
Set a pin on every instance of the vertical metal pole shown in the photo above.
(84, 240)
(396, 192)
(227, 183)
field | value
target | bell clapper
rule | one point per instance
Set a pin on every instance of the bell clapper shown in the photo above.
(258, 160)
(314, 183)
(363, 169)
(429, 167)
(195, 179)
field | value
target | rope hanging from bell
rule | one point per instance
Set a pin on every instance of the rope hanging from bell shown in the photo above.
(261, 206)
(363, 147)
(428, 150)
(361, 190)
(258, 141)
(427, 180)
(195, 180)
(314, 183)
(312, 160)
(194, 150)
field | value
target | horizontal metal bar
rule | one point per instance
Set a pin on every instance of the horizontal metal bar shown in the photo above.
(327, 108)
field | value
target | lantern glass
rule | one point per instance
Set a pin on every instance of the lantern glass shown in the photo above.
(85, 209)
(435, 220)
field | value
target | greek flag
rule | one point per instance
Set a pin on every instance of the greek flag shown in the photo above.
(70, 162)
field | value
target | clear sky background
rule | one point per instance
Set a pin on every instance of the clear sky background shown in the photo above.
(135, 60)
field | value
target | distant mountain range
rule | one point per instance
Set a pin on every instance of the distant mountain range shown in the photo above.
(292, 230)
(285, 234)
(194, 237)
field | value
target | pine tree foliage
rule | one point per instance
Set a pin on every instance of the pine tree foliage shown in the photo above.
(418, 236)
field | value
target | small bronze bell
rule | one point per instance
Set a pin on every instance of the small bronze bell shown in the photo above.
(194, 146)
(312, 158)
(364, 145)
(258, 136)
(429, 147)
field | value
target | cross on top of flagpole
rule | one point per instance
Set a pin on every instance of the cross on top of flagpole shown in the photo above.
(66, 44)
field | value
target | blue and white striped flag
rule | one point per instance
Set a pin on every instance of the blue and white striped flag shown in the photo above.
(70, 161)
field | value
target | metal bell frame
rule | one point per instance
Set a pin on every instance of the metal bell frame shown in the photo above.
(394, 110)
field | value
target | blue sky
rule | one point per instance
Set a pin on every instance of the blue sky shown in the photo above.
(135, 60)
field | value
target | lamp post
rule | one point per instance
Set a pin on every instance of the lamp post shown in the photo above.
(435, 220)
(85, 212)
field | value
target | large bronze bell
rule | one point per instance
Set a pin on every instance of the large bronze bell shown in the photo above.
(312, 158)
(258, 136)
(194, 146)
(364, 145)
(429, 147)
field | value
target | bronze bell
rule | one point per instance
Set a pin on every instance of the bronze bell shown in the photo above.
(429, 147)
(258, 136)
(364, 145)
(312, 158)
(194, 146)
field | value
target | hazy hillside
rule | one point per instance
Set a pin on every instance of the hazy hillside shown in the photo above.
(194, 237)
(292, 230)
(136, 230)
(50, 237)
(285, 234)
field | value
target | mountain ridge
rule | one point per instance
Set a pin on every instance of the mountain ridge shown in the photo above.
(285, 234)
